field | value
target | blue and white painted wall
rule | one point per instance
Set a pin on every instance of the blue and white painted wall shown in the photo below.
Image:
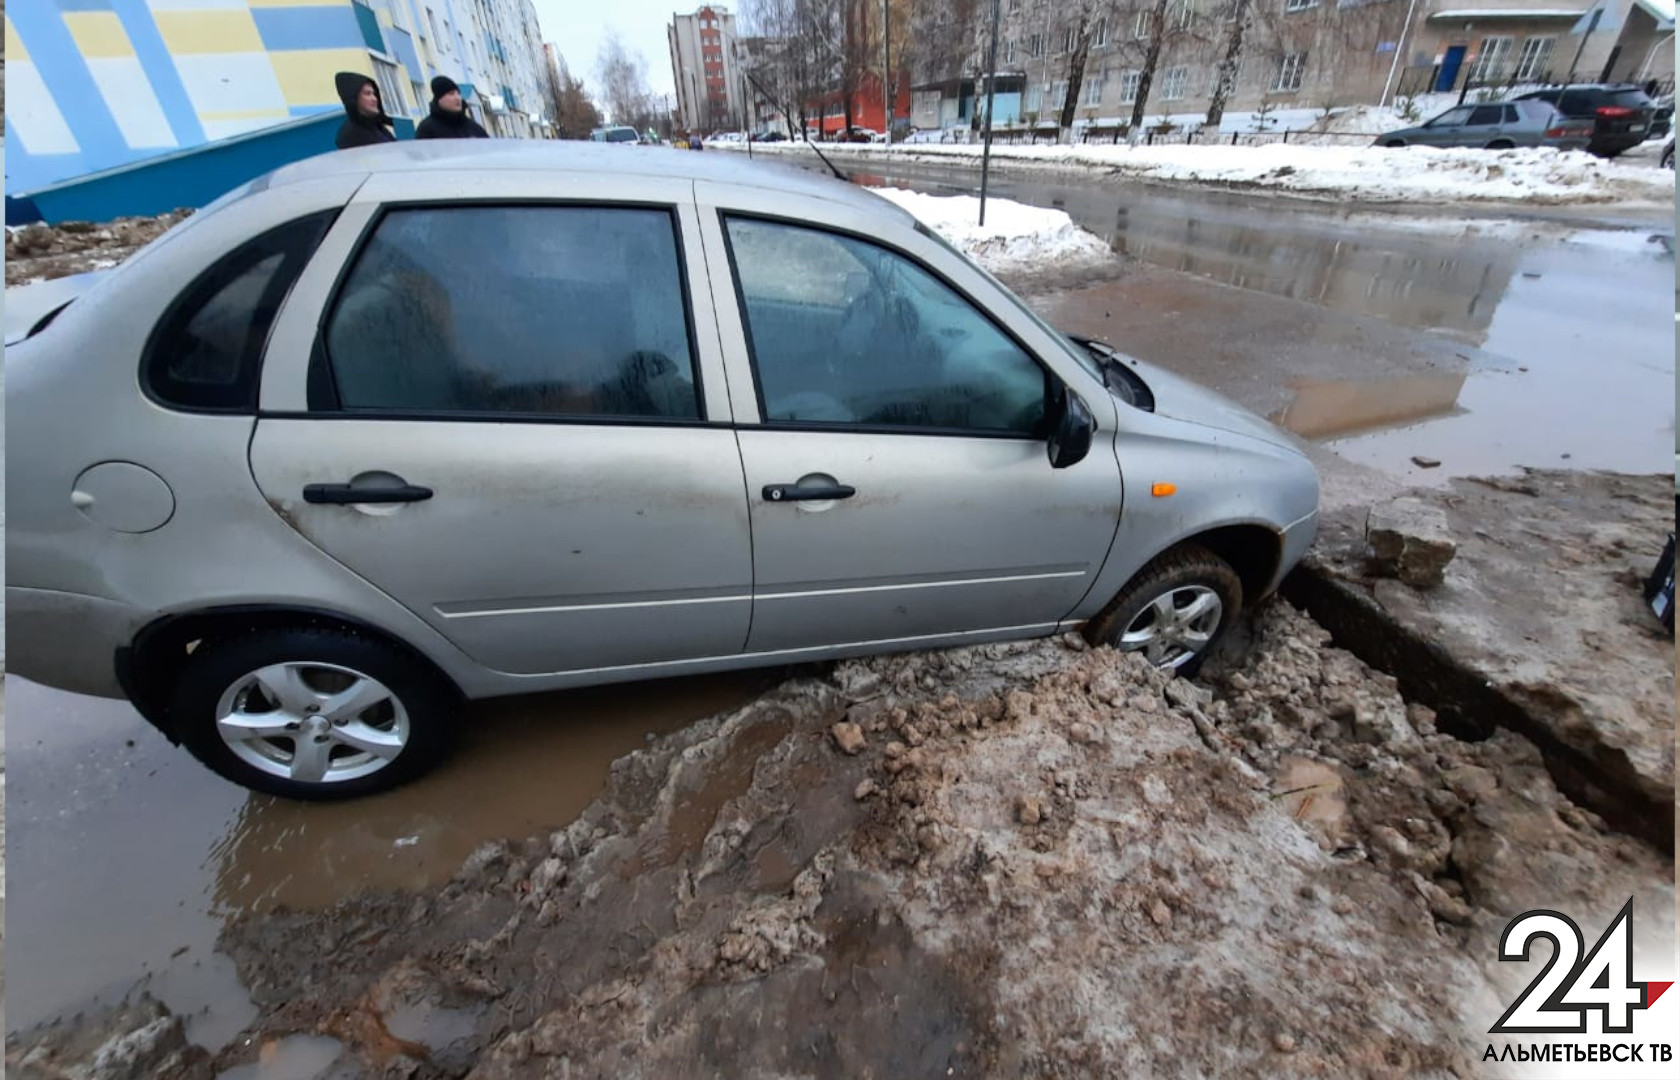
(98, 84)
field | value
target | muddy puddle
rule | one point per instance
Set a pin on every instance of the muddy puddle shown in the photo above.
(1533, 342)
(166, 851)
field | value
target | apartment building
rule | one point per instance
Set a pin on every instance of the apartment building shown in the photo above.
(98, 84)
(704, 66)
(1297, 54)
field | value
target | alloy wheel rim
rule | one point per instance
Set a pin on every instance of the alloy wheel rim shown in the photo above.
(312, 723)
(1175, 627)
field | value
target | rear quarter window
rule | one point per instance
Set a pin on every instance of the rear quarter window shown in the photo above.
(205, 354)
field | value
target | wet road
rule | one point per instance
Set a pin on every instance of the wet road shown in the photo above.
(1483, 342)
(126, 854)
(1383, 335)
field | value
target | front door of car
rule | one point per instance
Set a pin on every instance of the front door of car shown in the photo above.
(898, 481)
(512, 420)
(1446, 129)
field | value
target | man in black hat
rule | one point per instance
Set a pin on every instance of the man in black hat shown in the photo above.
(449, 119)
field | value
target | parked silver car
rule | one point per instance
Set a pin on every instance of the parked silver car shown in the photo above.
(396, 427)
(1500, 126)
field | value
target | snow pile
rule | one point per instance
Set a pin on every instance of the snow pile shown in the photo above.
(1411, 174)
(1015, 239)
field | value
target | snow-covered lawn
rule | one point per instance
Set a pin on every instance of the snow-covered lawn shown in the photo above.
(1015, 239)
(1374, 174)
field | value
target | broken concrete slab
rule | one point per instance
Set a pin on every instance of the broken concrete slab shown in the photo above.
(1541, 628)
(1410, 540)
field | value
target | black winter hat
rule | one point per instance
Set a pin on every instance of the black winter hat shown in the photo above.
(442, 85)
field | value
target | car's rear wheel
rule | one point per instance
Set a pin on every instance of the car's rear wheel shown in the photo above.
(1393, 144)
(1175, 611)
(1502, 144)
(1668, 158)
(312, 713)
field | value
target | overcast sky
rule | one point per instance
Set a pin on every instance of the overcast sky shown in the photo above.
(577, 27)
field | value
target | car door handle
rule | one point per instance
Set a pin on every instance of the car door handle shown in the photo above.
(345, 494)
(806, 492)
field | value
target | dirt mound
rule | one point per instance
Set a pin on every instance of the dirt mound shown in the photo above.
(1012, 860)
(44, 252)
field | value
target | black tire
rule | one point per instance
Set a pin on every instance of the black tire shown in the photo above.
(1668, 158)
(1395, 144)
(1182, 568)
(1502, 144)
(428, 699)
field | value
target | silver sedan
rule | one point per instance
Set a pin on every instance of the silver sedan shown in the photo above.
(1500, 126)
(399, 426)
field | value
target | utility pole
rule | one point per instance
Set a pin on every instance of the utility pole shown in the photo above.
(886, 68)
(991, 92)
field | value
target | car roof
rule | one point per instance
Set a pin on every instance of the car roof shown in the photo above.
(514, 155)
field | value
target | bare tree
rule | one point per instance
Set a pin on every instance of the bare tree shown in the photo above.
(575, 115)
(622, 74)
(1236, 33)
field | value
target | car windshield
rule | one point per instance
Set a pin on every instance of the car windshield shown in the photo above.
(621, 135)
(1073, 349)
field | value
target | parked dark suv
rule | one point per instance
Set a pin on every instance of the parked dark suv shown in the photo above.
(1622, 113)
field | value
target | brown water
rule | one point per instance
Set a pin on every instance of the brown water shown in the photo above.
(126, 854)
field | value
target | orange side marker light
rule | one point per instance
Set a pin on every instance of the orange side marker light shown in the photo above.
(1161, 491)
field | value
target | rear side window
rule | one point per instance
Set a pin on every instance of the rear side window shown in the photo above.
(1486, 114)
(206, 352)
(538, 311)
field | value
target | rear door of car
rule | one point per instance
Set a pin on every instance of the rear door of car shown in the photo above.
(1482, 126)
(533, 361)
(891, 431)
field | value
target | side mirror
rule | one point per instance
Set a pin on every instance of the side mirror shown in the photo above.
(1072, 428)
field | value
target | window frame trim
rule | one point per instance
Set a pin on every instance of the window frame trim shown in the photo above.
(153, 343)
(1051, 379)
(335, 295)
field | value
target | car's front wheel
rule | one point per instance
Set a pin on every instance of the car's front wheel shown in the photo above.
(1174, 611)
(312, 713)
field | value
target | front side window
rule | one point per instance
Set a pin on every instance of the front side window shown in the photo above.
(207, 350)
(1452, 117)
(845, 332)
(536, 311)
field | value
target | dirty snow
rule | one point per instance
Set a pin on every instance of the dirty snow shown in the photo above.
(1365, 173)
(1015, 239)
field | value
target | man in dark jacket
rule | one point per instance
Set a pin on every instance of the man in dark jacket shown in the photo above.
(449, 119)
(365, 122)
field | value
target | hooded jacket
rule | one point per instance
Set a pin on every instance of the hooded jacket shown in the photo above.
(357, 129)
(443, 124)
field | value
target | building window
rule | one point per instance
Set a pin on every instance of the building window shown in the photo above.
(1009, 51)
(1058, 94)
(390, 88)
(1035, 45)
(1299, 5)
(1142, 27)
(1173, 83)
(1014, 6)
(1492, 60)
(1099, 33)
(1094, 89)
(1290, 70)
(1035, 99)
(1129, 82)
(1536, 59)
(1067, 40)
